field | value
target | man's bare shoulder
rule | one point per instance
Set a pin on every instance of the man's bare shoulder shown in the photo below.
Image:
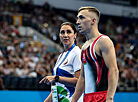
(105, 42)
(85, 45)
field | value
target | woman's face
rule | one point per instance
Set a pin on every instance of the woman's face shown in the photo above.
(67, 35)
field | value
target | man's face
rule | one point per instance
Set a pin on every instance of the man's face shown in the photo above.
(84, 21)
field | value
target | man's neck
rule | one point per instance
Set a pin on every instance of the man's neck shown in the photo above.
(92, 35)
(87, 37)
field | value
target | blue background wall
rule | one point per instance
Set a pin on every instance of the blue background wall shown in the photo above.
(39, 96)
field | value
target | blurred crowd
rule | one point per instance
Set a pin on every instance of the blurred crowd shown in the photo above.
(21, 56)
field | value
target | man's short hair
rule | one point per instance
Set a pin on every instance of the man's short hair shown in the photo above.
(91, 9)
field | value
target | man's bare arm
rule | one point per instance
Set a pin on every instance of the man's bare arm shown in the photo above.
(108, 53)
(80, 87)
(49, 98)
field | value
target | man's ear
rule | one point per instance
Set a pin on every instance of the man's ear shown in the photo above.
(93, 20)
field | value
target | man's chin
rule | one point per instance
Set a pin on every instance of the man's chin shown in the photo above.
(82, 32)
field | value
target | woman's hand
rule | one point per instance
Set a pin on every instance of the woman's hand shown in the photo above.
(48, 80)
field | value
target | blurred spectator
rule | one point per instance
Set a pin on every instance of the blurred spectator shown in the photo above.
(40, 70)
(1, 84)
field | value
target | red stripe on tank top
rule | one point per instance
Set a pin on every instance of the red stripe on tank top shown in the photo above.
(96, 62)
(89, 57)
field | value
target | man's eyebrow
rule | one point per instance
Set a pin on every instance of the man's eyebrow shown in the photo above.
(79, 16)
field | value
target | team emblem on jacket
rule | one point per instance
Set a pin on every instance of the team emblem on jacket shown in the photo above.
(66, 61)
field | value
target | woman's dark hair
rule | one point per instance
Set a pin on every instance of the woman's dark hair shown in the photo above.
(72, 26)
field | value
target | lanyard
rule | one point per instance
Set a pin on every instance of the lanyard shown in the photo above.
(65, 57)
